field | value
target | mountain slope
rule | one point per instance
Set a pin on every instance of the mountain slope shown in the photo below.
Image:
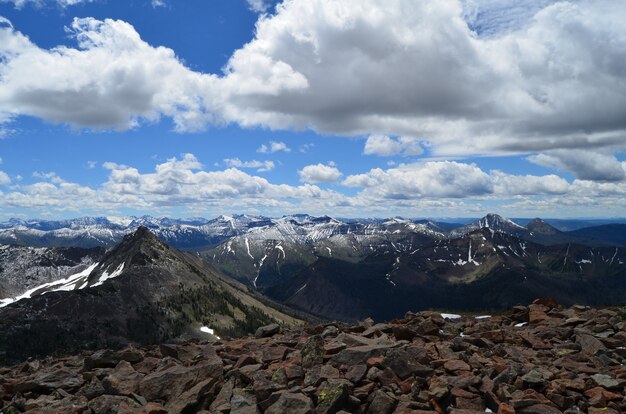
(271, 254)
(23, 268)
(141, 291)
(481, 270)
(614, 234)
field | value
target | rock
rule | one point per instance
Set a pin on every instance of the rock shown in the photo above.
(123, 380)
(274, 353)
(356, 373)
(438, 388)
(92, 389)
(536, 316)
(332, 396)
(606, 381)
(533, 378)
(598, 396)
(404, 362)
(267, 331)
(101, 359)
(401, 332)
(62, 378)
(113, 404)
(243, 402)
(538, 409)
(381, 403)
(456, 365)
(173, 381)
(589, 344)
(330, 331)
(291, 403)
(359, 354)
(313, 351)
(550, 303)
(191, 397)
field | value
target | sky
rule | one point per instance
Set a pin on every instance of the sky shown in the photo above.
(357, 108)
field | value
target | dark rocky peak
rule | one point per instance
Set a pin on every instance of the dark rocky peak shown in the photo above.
(142, 248)
(541, 227)
(497, 222)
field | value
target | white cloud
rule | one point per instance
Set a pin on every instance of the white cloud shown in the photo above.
(385, 146)
(175, 183)
(39, 3)
(448, 179)
(4, 178)
(158, 3)
(427, 188)
(272, 147)
(583, 164)
(260, 166)
(113, 80)
(319, 173)
(553, 82)
(304, 148)
(258, 6)
(91, 164)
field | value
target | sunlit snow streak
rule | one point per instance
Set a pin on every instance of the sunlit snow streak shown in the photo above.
(208, 330)
(106, 276)
(70, 283)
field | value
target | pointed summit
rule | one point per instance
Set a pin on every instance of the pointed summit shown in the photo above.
(493, 222)
(141, 248)
(539, 226)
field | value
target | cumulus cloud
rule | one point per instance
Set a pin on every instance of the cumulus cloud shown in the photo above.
(258, 6)
(583, 164)
(272, 147)
(385, 146)
(552, 82)
(449, 179)
(113, 80)
(4, 178)
(158, 3)
(175, 183)
(319, 173)
(260, 166)
(424, 188)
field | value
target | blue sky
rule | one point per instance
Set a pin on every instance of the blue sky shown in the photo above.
(198, 108)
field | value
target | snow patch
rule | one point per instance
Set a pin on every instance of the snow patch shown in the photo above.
(210, 331)
(70, 283)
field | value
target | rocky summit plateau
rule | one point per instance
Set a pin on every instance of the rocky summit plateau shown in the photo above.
(536, 359)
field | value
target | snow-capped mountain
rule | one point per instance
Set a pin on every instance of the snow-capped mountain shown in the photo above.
(493, 222)
(266, 254)
(107, 231)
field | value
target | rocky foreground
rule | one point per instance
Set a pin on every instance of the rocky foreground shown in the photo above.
(540, 359)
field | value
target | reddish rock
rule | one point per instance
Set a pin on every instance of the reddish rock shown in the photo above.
(505, 409)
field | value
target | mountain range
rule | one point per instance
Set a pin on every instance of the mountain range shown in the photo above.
(235, 274)
(201, 233)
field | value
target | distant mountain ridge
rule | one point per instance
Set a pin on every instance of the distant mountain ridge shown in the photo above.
(200, 233)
